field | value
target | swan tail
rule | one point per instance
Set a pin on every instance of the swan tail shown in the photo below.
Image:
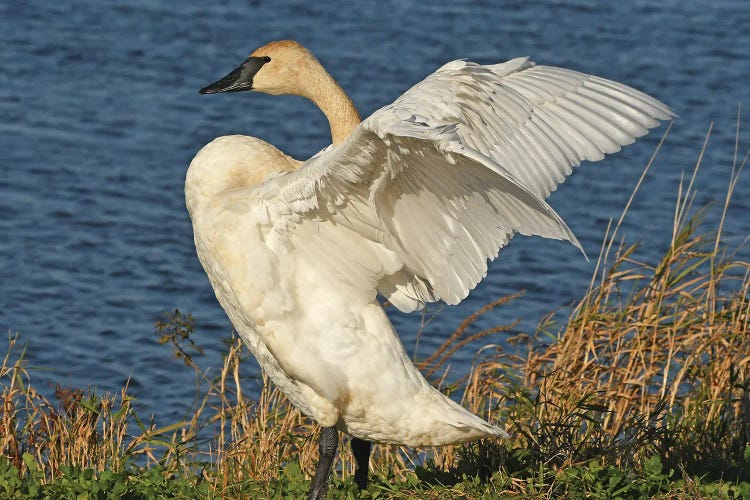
(468, 426)
(449, 423)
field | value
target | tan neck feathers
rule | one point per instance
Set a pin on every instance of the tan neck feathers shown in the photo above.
(342, 115)
(292, 69)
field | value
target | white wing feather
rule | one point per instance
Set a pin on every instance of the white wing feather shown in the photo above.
(538, 122)
(427, 189)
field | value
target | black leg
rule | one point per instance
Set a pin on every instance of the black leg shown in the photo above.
(361, 451)
(329, 441)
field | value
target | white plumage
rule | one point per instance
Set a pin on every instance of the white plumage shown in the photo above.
(411, 204)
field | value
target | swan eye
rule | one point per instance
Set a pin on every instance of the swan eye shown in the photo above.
(267, 59)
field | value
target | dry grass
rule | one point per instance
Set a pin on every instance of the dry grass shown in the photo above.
(653, 360)
(79, 430)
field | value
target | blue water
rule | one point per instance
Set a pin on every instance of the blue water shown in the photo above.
(100, 117)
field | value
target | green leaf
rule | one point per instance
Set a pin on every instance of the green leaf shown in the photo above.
(652, 466)
(30, 462)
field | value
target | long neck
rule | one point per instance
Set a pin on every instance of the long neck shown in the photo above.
(339, 109)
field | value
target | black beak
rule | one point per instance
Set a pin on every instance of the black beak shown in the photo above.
(238, 80)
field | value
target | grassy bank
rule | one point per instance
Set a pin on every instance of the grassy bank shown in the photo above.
(644, 392)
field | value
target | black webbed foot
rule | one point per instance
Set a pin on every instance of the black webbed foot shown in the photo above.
(329, 441)
(361, 451)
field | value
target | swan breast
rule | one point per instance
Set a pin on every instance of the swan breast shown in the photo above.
(230, 163)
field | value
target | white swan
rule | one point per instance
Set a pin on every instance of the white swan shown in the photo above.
(410, 203)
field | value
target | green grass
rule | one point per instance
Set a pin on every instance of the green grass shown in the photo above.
(590, 480)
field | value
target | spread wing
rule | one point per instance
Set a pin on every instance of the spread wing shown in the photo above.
(536, 121)
(427, 189)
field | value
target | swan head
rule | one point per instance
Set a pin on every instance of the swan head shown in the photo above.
(282, 67)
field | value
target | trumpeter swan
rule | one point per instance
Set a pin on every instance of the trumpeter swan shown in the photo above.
(410, 203)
